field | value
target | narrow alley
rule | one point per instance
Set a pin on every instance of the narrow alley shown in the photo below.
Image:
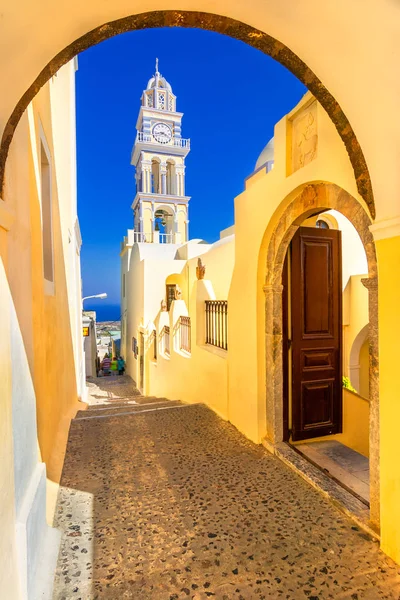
(167, 501)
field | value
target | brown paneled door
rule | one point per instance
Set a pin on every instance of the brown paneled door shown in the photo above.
(316, 308)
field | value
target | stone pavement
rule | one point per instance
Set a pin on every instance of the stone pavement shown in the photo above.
(104, 390)
(175, 504)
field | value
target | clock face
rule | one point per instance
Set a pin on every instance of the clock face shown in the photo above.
(162, 133)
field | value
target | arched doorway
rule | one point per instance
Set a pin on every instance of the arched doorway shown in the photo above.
(314, 199)
(211, 22)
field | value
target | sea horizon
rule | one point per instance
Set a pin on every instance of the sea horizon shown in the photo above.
(105, 312)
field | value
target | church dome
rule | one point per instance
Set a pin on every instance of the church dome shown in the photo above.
(158, 93)
(158, 81)
(266, 156)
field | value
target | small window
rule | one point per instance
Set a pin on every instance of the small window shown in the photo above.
(322, 224)
(135, 347)
(47, 228)
(170, 294)
(154, 344)
(123, 285)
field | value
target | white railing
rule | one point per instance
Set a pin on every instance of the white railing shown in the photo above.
(149, 139)
(166, 238)
(139, 237)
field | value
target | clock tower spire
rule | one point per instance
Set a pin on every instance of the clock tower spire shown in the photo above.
(160, 206)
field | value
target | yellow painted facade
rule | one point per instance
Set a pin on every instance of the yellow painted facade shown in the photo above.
(389, 324)
(42, 381)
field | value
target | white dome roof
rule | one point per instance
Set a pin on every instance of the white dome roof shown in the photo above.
(160, 82)
(266, 155)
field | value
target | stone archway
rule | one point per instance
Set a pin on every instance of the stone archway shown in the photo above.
(313, 199)
(219, 24)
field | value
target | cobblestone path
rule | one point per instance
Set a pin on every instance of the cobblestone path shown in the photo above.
(175, 504)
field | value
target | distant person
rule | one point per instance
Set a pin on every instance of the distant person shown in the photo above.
(121, 366)
(114, 364)
(106, 365)
(98, 365)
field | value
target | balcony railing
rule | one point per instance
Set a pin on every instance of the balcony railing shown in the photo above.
(154, 237)
(149, 139)
(185, 334)
(165, 337)
(164, 238)
(217, 323)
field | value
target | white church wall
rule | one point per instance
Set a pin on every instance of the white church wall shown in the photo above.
(134, 306)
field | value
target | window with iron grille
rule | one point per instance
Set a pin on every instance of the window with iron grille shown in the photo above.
(166, 339)
(185, 334)
(171, 287)
(217, 323)
(154, 344)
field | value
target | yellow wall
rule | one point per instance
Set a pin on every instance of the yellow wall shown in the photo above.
(355, 423)
(42, 339)
(53, 363)
(389, 333)
(44, 319)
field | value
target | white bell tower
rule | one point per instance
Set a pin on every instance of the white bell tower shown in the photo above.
(160, 206)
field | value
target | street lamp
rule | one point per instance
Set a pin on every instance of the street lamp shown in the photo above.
(101, 296)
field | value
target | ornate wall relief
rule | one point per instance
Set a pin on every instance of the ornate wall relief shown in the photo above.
(304, 137)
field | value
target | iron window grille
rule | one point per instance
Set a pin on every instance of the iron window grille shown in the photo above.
(166, 336)
(217, 323)
(185, 334)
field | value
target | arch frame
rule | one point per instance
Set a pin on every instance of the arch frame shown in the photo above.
(313, 199)
(218, 24)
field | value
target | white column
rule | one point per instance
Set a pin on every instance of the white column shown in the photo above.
(183, 181)
(148, 180)
(163, 172)
(177, 235)
(187, 230)
(179, 182)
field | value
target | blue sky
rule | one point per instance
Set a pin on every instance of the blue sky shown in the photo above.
(231, 96)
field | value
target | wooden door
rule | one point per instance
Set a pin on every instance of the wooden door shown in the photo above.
(316, 307)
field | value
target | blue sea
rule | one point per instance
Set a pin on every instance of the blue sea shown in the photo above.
(104, 312)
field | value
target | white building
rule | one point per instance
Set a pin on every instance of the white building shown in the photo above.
(161, 215)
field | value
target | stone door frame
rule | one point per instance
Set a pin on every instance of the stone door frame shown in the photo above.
(313, 199)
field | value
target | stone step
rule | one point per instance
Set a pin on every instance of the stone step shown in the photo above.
(128, 401)
(127, 408)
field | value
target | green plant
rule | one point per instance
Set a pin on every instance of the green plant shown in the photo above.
(347, 384)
